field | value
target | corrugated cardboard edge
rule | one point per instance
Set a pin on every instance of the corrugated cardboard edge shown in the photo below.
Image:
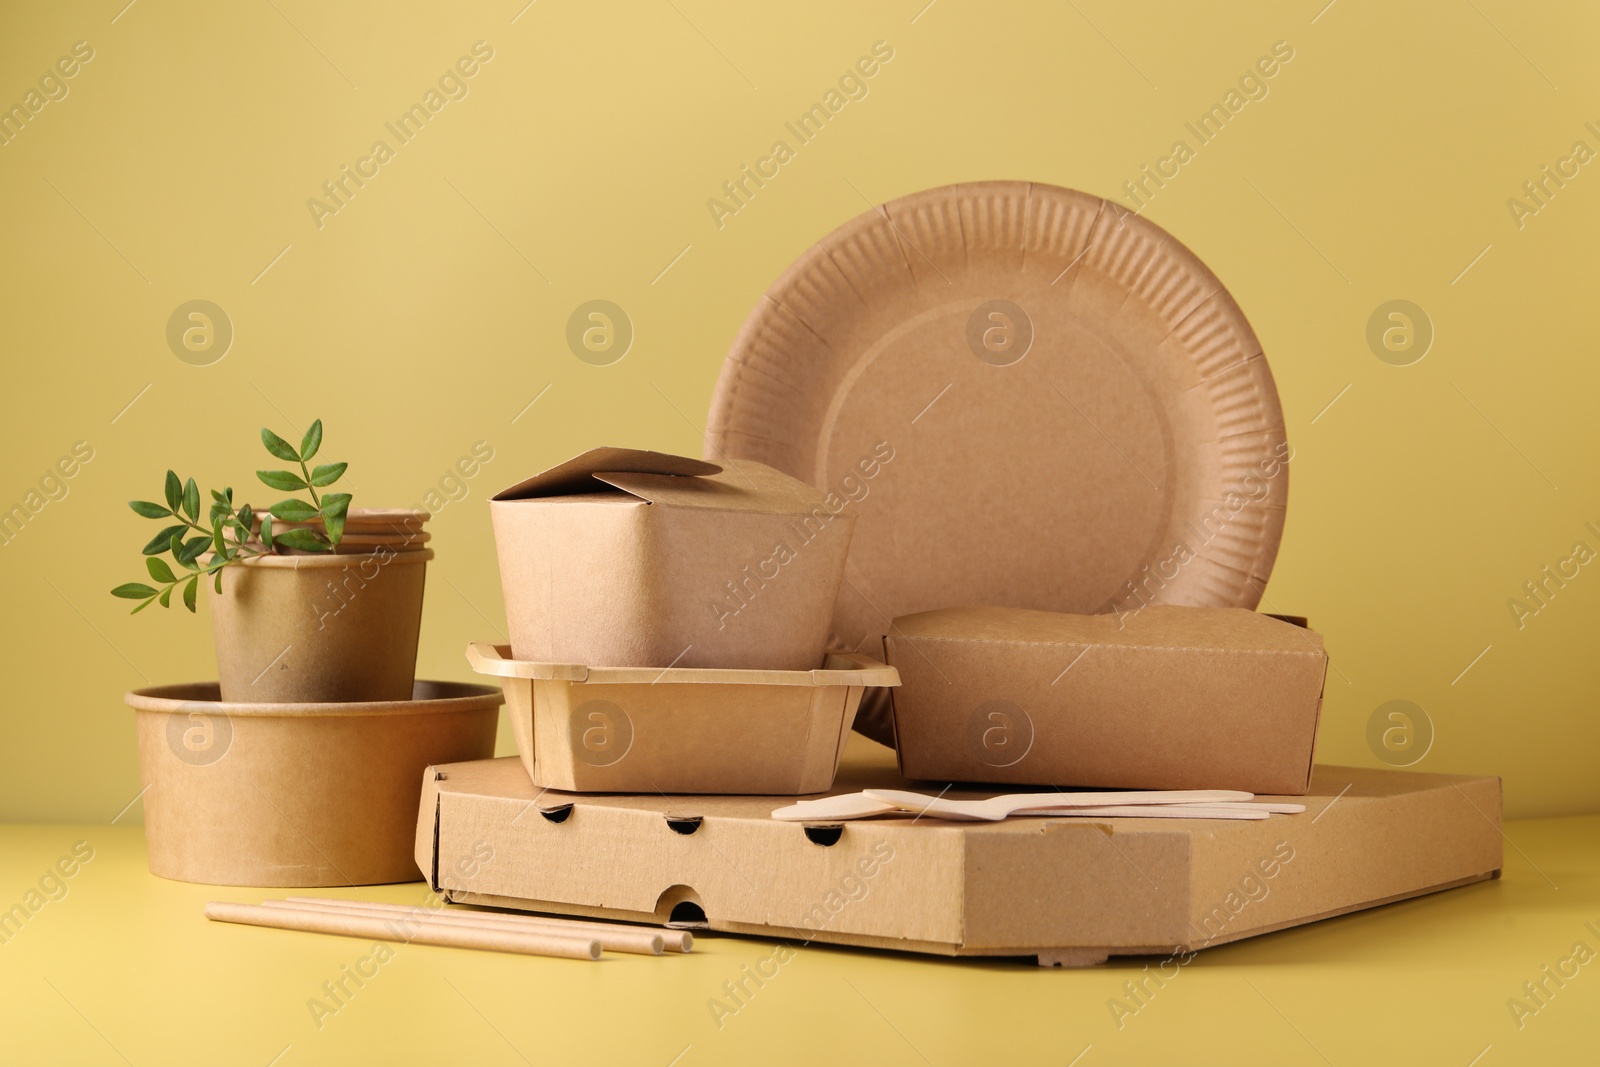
(427, 852)
(1063, 956)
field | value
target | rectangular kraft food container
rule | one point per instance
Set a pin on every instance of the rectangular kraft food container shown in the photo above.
(1163, 698)
(680, 730)
(1066, 891)
(623, 558)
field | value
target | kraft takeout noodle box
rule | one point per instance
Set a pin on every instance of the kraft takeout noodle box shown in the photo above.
(681, 730)
(1163, 698)
(625, 558)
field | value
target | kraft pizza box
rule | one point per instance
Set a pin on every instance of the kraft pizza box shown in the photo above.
(1065, 891)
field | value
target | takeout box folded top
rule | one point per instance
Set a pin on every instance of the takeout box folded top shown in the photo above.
(629, 558)
(673, 481)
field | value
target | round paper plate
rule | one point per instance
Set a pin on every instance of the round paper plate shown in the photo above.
(1033, 397)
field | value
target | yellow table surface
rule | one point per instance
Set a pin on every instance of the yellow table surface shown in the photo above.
(121, 967)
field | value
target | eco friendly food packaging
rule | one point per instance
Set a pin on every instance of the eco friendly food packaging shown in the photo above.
(1066, 891)
(319, 628)
(1040, 399)
(681, 730)
(1160, 698)
(265, 794)
(625, 558)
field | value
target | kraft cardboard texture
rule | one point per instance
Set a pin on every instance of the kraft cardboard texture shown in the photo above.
(620, 558)
(578, 474)
(1079, 416)
(1065, 891)
(320, 627)
(681, 730)
(296, 794)
(1164, 698)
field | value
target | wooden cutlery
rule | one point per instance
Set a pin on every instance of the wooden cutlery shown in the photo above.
(1141, 804)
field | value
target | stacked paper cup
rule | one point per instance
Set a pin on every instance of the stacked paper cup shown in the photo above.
(300, 626)
(373, 530)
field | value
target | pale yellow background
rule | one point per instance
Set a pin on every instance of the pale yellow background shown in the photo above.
(426, 315)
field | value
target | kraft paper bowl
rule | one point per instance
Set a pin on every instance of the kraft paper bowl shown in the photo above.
(297, 794)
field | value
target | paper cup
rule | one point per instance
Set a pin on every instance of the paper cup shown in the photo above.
(319, 627)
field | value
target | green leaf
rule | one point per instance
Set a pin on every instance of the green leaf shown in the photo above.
(282, 480)
(158, 569)
(217, 543)
(327, 473)
(309, 540)
(218, 497)
(141, 607)
(247, 518)
(292, 510)
(334, 508)
(174, 491)
(311, 441)
(148, 510)
(191, 500)
(266, 531)
(192, 549)
(278, 446)
(160, 542)
(218, 586)
(166, 596)
(133, 591)
(189, 592)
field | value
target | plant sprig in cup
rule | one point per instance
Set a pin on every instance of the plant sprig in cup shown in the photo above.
(232, 536)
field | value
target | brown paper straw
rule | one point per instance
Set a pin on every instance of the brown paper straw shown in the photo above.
(618, 939)
(527, 943)
(672, 940)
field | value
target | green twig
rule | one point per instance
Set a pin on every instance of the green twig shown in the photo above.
(183, 504)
